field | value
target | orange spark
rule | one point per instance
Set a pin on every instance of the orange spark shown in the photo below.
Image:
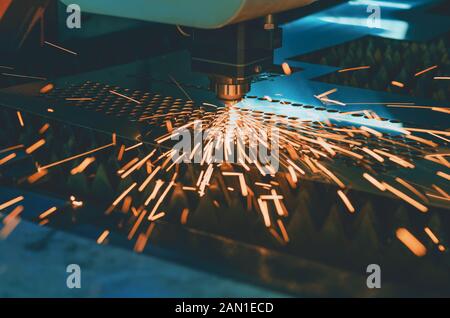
(276, 200)
(411, 242)
(372, 131)
(11, 148)
(124, 194)
(264, 185)
(441, 191)
(19, 117)
(44, 222)
(44, 128)
(134, 146)
(346, 201)
(295, 167)
(9, 227)
(398, 84)
(332, 101)
(422, 140)
(330, 174)
(411, 188)
(353, 69)
(373, 154)
(75, 203)
(374, 181)
(184, 216)
(158, 216)
(430, 131)
(244, 189)
(47, 212)
(158, 185)
(426, 70)
(143, 238)
(432, 236)
(406, 198)
(292, 174)
(149, 178)
(121, 152)
(82, 166)
(437, 197)
(264, 211)
(136, 225)
(161, 198)
(14, 214)
(102, 237)
(7, 158)
(443, 175)
(138, 165)
(35, 146)
(127, 165)
(10, 202)
(276, 235)
(47, 88)
(395, 159)
(37, 175)
(286, 69)
(127, 203)
(331, 91)
(283, 230)
(441, 109)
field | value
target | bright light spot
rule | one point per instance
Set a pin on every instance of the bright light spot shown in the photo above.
(386, 4)
(390, 28)
(322, 116)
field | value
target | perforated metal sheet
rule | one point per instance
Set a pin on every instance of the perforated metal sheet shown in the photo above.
(155, 109)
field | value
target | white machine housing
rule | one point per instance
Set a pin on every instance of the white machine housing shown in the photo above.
(206, 14)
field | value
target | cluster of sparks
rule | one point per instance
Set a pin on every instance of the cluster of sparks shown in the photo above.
(306, 151)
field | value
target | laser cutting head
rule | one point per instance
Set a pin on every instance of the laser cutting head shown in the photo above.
(229, 43)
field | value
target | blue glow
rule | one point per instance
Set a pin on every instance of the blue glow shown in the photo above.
(386, 4)
(394, 29)
(316, 115)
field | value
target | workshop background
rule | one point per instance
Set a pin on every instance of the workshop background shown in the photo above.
(358, 89)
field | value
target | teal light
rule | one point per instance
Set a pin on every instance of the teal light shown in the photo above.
(395, 29)
(386, 4)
